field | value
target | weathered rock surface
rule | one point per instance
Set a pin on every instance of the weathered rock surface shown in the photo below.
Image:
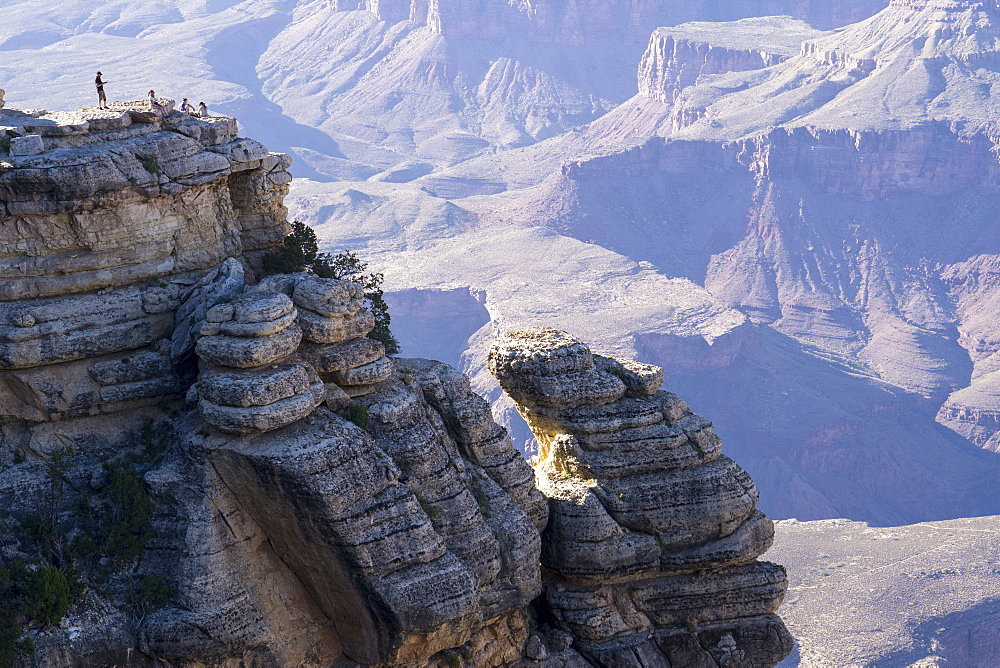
(409, 533)
(105, 232)
(254, 330)
(650, 552)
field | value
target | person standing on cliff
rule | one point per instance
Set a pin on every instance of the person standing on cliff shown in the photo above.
(102, 101)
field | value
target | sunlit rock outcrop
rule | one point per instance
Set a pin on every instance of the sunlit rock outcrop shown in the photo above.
(650, 554)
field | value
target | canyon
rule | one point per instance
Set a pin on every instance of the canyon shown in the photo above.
(298, 496)
(791, 217)
(827, 255)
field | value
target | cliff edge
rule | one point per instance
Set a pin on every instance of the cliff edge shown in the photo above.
(229, 469)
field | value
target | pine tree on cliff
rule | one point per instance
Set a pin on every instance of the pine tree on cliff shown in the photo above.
(300, 252)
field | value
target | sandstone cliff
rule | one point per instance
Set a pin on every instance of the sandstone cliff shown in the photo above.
(310, 500)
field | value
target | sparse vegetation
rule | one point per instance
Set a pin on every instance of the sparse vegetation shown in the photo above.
(619, 372)
(150, 592)
(476, 487)
(299, 251)
(356, 413)
(83, 541)
(428, 509)
(151, 164)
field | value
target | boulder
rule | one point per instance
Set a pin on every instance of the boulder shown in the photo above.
(246, 352)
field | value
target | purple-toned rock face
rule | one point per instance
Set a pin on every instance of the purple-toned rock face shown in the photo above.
(844, 199)
(580, 23)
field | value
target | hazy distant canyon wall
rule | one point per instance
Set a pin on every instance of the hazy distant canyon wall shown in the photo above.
(574, 24)
(878, 247)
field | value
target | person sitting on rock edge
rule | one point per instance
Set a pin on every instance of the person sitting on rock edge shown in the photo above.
(102, 101)
(188, 108)
(202, 110)
(156, 106)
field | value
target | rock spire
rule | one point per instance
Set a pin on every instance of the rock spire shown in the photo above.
(650, 553)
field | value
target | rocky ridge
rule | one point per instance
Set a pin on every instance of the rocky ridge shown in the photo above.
(317, 501)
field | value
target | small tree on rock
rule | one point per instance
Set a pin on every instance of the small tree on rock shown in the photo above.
(299, 251)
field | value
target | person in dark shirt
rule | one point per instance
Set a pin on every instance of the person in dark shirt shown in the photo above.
(102, 101)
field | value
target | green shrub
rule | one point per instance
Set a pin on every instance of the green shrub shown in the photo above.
(46, 595)
(151, 165)
(425, 505)
(299, 251)
(356, 413)
(126, 517)
(36, 595)
(149, 592)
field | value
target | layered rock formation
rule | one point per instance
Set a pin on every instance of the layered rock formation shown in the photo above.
(650, 554)
(111, 220)
(677, 58)
(314, 501)
(409, 530)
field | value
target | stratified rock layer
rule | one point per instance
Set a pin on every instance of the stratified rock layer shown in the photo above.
(650, 553)
(108, 225)
(678, 58)
(407, 538)
(409, 519)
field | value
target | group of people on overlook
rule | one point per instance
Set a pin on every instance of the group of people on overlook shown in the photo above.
(186, 107)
